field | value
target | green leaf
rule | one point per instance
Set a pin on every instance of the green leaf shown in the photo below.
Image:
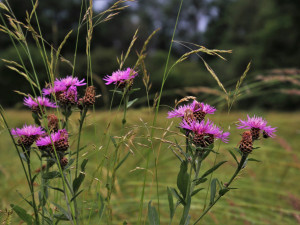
(213, 189)
(200, 181)
(114, 141)
(183, 179)
(177, 195)
(223, 191)
(254, 160)
(56, 188)
(213, 169)
(22, 214)
(123, 160)
(83, 164)
(51, 175)
(152, 215)
(206, 153)
(65, 212)
(102, 207)
(196, 191)
(130, 103)
(233, 156)
(61, 217)
(78, 180)
(75, 196)
(185, 217)
(171, 203)
(133, 90)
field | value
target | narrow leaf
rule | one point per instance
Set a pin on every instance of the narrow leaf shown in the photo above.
(213, 169)
(233, 156)
(213, 189)
(51, 175)
(76, 195)
(152, 215)
(183, 179)
(254, 160)
(22, 214)
(171, 203)
(196, 191)
(61, 209)
(130, 103)
(177, 195)
(123, 160)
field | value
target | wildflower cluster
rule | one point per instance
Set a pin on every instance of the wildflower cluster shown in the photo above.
(53, 137)
(256, 126)
(203, 133)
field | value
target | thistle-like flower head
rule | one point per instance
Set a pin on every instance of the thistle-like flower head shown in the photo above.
(256, 124)
(27, 134)
(208, 127)
(35, 103)
(120, 76)
(59, 139)
(69, 81)
(30, 130)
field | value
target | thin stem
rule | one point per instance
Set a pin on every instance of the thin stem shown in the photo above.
(36, 214)
(238, 169)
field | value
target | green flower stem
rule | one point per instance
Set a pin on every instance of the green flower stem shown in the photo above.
(82, 117)
(116, 160)
(36, 213)
(126, 98)
(238, 169)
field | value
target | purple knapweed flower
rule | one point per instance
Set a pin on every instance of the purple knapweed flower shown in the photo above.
(69, 81)
(65, 89)
(27, 134)
(36, 103)
(204, 132)
(195, 110)
(257, 124)
(120, 77)
(59, 139)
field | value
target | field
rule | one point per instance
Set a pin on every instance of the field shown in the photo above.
(268, 192)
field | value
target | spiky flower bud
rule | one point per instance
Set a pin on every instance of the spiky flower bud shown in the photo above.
(246, 144)
(89, 96)
(52, 123)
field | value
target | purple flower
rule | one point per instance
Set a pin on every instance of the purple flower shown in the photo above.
(205, 128)
(256, 124)
(120, 76)
(53, 90)
(30, 130)
(197, 109)
(36, 103)
(68, 82)
(59, 139)
(27, 134)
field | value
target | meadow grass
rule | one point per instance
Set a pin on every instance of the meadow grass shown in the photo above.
(267, 192)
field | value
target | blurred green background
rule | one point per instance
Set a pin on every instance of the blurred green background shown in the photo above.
(265, 32)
